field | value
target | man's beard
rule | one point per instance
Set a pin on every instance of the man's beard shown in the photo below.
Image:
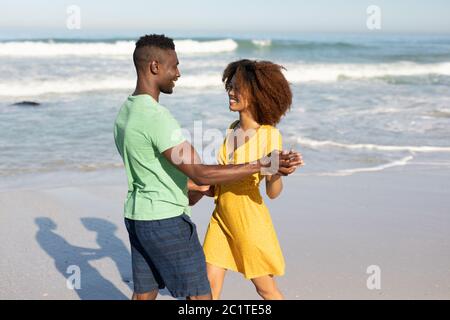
(167, 90)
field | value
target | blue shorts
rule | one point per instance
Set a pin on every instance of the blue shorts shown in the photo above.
(167, 253)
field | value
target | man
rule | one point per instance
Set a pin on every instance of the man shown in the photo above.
(165, 249)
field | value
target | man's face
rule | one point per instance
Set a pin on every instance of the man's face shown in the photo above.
(169, 72)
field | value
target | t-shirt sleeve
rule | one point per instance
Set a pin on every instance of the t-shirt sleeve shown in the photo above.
(166, 132)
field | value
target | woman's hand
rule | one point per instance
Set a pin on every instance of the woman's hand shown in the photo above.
(294, 161)
(206, 190)
(196, 192)
(282, 163)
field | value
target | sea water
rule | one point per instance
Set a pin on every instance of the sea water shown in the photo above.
(360, 102)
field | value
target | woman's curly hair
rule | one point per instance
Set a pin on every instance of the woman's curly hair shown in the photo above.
(264, 86)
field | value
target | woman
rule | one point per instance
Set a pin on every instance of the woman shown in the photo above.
(240, 235)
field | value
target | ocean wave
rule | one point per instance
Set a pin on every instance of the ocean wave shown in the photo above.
(335, 72)
(315, 144)
(432, 163)
(318, 45)
(299, 45)
(35, 88)
(295, 74)
(348, 172)
(262, 43)
(444, 113)
(191, 46)
(60, 165)
(77, 85)
(118, 48)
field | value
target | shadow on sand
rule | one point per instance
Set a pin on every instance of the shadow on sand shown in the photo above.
(94, 286)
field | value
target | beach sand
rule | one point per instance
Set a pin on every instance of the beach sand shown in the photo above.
(331, 230)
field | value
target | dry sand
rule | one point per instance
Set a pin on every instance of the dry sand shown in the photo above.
(330, 228)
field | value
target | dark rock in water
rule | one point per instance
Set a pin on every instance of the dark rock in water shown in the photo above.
(26, 103)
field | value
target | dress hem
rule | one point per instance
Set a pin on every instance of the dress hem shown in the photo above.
(246, 276)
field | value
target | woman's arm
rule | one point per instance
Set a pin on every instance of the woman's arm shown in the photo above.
(192, 186)
(274, 186)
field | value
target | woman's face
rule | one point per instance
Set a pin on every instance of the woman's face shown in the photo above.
(236, 99)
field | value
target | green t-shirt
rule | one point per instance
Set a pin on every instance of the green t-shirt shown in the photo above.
(143, 130)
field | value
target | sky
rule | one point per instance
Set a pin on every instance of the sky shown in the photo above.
(231, 16)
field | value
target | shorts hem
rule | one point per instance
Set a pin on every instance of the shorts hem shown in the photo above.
(190, 293)
(141, 291)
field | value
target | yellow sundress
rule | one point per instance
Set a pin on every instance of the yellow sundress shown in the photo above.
(240, 235)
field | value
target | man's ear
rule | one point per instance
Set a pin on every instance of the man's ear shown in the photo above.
(154, 67)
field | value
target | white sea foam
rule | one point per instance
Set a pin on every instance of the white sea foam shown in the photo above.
(83, 84)
(348, 172)
(200, 81)
(191, 46)
(432, 163)
(333, 72)
(299, 73)
(118, 48)
(35, 88)
(262, 43)
(315, 144)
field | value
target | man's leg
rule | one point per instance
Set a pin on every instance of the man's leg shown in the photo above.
(267, 288)
(145, 296)
(205, 297)
(145, 277)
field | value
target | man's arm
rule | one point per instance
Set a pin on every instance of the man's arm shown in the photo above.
(187, 160)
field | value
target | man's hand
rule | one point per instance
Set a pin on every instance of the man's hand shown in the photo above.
(280, 163)
(294, 161)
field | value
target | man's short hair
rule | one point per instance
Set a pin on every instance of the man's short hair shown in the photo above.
(148, 48)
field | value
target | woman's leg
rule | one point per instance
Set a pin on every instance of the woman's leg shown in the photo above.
(216, 275)
(267, 288)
